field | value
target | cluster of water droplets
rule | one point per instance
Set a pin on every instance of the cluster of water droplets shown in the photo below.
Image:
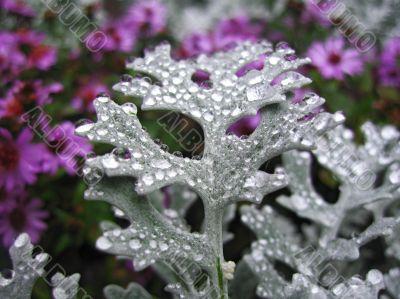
(146, 245)
(28, 269)
(379, 155)
(230, 96)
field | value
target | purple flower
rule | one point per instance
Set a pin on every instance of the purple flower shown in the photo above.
(229, 32)
(149, 17)
(66, 146)
(4, 199)
(26, 93)
(333, 61)
(23, 50)
(17, 7)
(83, 100)
(389, 67)
(12, 61)
(39, 55)
(196, 44)
(20, 159)
(317, 12)
(120, 38)
(22, 215)
(226, 34)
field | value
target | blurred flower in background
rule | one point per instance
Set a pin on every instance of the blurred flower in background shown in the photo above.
(333, 60)
(20, 159)
(225, 35)
(24, 94)
(389, 63)
(86, 93)
(21, 214)
(18, 7)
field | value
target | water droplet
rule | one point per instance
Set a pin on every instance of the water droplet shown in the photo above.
(178, 154)
(290, 57)
(103, 97)
(148, 179)
(274, 60)
(161, 164)
(153, 244)
(135, 244)
(110, 162)
(282, 45)
(21, 241)
(208, 116)
(126, 78)
(163, 246)
(121, 153)
(196, 113)
(169, 99)
(177, 80)
(150, 101)
(227, 83)
(102, 132)
(217, 97)
(129, 108)
(103, 243)
(254, 77)
(84, 126)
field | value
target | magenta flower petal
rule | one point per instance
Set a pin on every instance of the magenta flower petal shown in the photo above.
(333, 60)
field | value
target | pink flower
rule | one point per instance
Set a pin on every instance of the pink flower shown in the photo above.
(119, 37)
(389, 66)
(12, 61)
(39, 55)
(26, 93)
(230, 31)
(4, 200)
(149, 17)
(20, 159)
(317, 11)
(226, 34)
(85, 95)
(333, 61)
(21, 215)
(17, 7)
(196, 44)
(66, 146)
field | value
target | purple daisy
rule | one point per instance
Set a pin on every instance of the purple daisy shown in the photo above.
(196, 44)
(317, 12)
(12, 61)
(4, 199)
(230, 31)
(120, 38)
(226, 34)
(149, 17)
(83, 100)
(20, 159)
(22, 215)
(333, 60)
(67, 146)
(26, 93)
(17, 7)
(39, 55)
(389, 67)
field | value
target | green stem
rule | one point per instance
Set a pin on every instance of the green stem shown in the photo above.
(213, 228)
(220, 279)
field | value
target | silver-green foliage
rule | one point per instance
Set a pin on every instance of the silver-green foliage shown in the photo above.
(229, 168)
